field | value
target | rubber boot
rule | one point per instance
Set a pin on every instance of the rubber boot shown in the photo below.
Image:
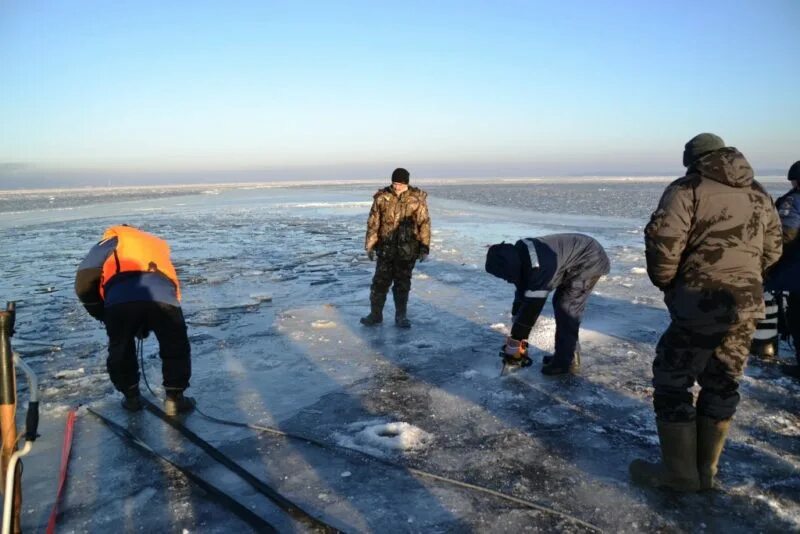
(678, 468)
(551, 369)
(176, 403)
(765, 349)
(375, 317)
(133, 400)
(711, 436)
(400, 308)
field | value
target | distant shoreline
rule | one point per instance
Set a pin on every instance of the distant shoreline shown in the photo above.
(358, 182)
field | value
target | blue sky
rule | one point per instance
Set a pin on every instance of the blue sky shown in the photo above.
(351, 89)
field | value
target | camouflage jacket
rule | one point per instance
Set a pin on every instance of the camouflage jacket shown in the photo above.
(712, 237)
(399, 225)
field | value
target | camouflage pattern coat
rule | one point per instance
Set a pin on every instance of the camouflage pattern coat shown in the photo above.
(399, 225)
(709, 242)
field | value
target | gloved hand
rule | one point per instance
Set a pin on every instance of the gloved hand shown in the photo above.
(371, 254)
(515, 349)
(423, 253)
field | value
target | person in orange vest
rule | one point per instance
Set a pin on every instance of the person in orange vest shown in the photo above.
(128, 282)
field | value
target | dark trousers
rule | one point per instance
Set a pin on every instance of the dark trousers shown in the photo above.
(124, 320)
(389, 271)
(793, 321)
(714, 355)
(569, 303)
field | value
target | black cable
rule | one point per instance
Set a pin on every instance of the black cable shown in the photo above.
(241, 511)
(347, 450)
(141, 359)
(285, 504)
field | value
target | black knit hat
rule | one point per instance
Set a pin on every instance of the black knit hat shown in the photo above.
(794, 171)
(699, 146)
(400, 176)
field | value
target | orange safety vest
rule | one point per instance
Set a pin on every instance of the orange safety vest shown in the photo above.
(137, 251)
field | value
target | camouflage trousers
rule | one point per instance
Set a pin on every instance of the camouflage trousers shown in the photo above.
(387, 272)
(712, 355)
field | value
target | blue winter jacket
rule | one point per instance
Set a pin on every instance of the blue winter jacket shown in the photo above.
(785, 275)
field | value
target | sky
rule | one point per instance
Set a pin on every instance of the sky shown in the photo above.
(144, 92)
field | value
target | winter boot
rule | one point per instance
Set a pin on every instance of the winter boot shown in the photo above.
(765, 349)
(550, 368)
(711, 436)
(678, 468)
(400, 308)
(176, 403)
(133, 400)
(375, 316)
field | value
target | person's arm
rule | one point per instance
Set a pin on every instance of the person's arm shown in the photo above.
(423, 220)
(88, 277)
(666, 234)
(527, 314)
(789, 214)
(773, 238)
(373, 225)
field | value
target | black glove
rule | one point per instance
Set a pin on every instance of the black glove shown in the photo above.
(423, 253)
(371, 254)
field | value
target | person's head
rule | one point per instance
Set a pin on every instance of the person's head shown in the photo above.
(503, 261)
(700, 145)
(400, 178)
(794, 174)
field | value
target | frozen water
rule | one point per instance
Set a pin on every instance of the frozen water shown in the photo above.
(274, 283)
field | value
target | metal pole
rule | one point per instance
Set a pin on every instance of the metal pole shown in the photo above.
(8, 408)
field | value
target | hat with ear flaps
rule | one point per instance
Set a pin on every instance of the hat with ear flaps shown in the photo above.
(503, 261)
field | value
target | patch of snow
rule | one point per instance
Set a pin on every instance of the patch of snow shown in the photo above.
(500, 327)
(323, 323)
(639, 270)
(398, 436)
(70, 373)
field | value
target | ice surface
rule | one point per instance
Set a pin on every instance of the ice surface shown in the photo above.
(274, 283)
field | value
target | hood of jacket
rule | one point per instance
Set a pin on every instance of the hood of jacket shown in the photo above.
(411, 191)
(727, 166)
(503, 261)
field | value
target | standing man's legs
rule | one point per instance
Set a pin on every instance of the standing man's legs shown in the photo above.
(122, 323)
(381, 281)
(569, 303)
(169, 326)
(682, 355)
(401, 274)
(793, 321)
(719, 398)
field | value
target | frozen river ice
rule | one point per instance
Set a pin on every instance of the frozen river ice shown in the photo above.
(274, 281)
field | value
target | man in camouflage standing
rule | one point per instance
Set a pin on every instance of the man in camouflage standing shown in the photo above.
(398, 234)
(708, 244)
